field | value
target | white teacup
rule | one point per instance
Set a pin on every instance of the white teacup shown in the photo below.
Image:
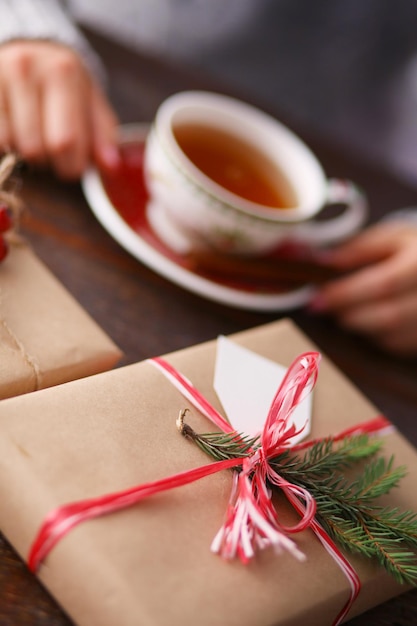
(193, 205)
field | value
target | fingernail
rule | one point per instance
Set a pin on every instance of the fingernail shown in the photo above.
(317, 304)
(324, 256)
(110, 156)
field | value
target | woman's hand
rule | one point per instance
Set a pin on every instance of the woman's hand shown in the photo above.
(378, 295)
(52, 112)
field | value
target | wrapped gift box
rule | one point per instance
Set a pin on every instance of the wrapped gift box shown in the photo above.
(151, 564)
(46, 338)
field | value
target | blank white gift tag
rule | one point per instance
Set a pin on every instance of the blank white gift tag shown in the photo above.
(246, 384)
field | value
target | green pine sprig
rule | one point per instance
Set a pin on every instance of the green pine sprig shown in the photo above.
(348, 508)
(220, 446)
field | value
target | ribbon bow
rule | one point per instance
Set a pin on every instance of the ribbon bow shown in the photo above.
(252, 521)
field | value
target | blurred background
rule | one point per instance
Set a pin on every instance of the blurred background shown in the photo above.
(344, 68)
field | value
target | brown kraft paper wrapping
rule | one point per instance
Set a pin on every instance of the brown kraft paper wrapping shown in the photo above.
(151, 565)
(46, 337)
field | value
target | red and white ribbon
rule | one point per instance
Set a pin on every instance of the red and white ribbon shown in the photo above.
(251, 521)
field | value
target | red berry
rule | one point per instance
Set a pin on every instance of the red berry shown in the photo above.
(4, 248)
(6, 221)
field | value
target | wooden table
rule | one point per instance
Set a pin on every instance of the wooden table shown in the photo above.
(146, 315)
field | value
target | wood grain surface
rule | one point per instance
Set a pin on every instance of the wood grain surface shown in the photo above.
(146, 315)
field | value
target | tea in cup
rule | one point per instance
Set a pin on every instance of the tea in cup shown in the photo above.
(224, 175)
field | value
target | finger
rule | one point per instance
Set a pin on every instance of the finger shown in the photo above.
(382, 280)
(65, 119)
(5, 134)
(370, 246)
(104, 125)
(23, 129)
(383, 317)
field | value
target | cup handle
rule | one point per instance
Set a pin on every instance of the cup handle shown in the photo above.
(350, 221)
